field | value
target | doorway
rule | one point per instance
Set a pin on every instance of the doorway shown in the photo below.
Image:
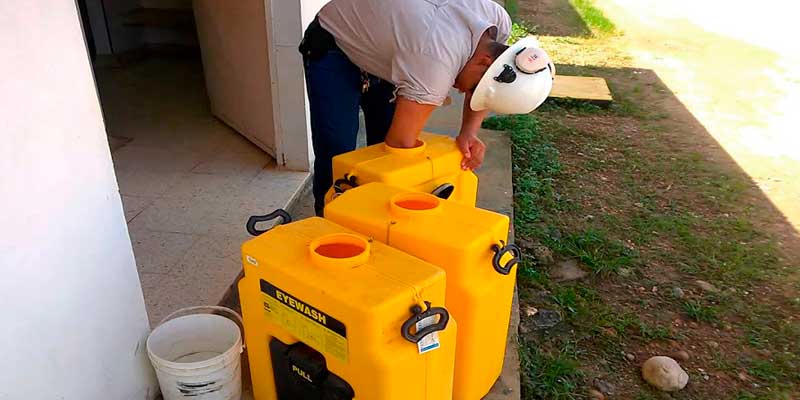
(187, 175)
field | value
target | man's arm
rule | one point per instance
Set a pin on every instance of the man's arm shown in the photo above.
(469, 143)
(409, 119)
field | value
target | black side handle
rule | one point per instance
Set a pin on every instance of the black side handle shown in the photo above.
(252, 221)
(500, 251)
(444, 191)
(348, 180)
(444, 318)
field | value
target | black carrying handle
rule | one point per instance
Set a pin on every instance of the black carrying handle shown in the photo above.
(500, 251)
(252, 221)
(348, 180)
(444, 318)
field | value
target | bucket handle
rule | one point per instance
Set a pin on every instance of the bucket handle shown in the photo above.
(501, 250)
(236, 317)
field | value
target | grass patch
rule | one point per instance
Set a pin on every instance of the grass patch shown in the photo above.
(699, 312)
(723, 248)
(512, 7)
(645, 396)
(728, 249)
(594, 249)
(593, 17)
(550, 375)
(662, 208)
(519, 30)
(650, 332)
(764, 370)
(622, 189)
(535, 166)
(567, 299)
(570, 105)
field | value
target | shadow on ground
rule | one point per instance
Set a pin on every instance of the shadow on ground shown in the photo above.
(553, 18)
(658, 117)
(645, 175)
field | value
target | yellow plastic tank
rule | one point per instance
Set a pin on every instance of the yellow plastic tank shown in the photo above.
(434, 166)
(470, 245)
(330, 315)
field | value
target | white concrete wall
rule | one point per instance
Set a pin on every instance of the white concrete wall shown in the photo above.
(288, 20)
(308, 11)
(74, 322)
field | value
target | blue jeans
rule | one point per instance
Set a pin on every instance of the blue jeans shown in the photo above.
(335, 86)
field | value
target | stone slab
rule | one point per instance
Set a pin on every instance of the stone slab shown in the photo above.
(581, 88)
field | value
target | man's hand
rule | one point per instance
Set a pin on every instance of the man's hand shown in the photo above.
(473, 150)
(468, 142)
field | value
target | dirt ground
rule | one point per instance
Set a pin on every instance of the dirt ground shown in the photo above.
(695, 171)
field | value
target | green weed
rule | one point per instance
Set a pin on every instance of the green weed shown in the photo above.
(519, 30)
(764, 370)
(593, 17)
(531, 276)
(571, 105)
(512, 7)
(595, 249)
(645, 396)
(650, 332)
(567, 299)
(535, 165)
(550, 374)
(700, 312)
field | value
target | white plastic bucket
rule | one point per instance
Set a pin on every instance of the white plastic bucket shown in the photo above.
(198, 356)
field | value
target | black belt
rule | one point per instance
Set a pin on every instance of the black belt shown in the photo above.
(316, 41)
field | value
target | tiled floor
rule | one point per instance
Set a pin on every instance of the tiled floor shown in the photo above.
(188, 182)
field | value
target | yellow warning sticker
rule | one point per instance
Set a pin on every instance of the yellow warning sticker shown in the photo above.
(310, 325)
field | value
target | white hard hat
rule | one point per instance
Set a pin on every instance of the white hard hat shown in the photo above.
(517, 82)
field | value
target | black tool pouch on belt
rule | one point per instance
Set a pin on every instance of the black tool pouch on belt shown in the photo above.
(316, 41)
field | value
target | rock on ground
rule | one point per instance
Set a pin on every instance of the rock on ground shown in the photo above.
(681, 355)
(545, 319)
(603, 386)
(596, 395)
(707, 287)
(541, 253)
(664, 373)
(567, 270)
